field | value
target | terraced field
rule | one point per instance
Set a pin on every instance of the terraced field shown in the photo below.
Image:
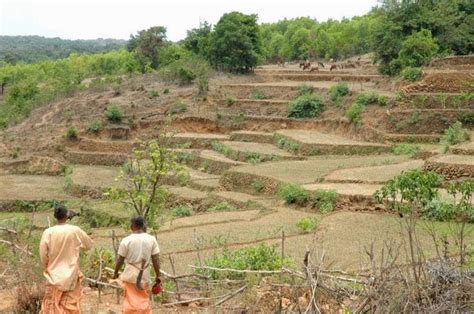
(239, 147)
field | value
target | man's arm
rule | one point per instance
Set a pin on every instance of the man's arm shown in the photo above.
(43, 249)
(156, 264)
(118, 265)
(86, 241)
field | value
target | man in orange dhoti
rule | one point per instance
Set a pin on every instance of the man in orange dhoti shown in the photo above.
(59, 251)
(137, 250)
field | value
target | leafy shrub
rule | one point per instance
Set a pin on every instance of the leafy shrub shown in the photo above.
(306, 106)
(412, 74)
(153, 93)
(181, 211)
(257, 94)
(184, 71)
(337, 91)
(418, 49)
(71, 133)
(288, 144)
(114, 114)
(455, 134)
(257, 185)
(229, 101)
(305, 89)
(324, 200)
(294, 194)
(221, 207)
(406, 149)
(307, 224)
(254, 158)
(371, 99)
(166, 91)
(440, 211)
(467, 118)
(353, 113)
(179, 107)
(95, 126)
(260, 257)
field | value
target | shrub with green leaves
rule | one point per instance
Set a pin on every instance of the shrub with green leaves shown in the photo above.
(95, 126)
(371, 99)
(257, 185)
(221, 207)
(354, 112)
(412, 74)
(467, 118)
(71, 133)
(181, 211)
(166, 91)
(287, 144)
(305, 89)
(114, 114)
(260, 257)
(229, 101)
(338, 91)
(179, 107)
(306, 106)
(439, 210)
(257, 94)
(185, 70)
(307, 224)
(455, 134)
(406, 149)
(153, 93)
(324, 200)
(293, 194)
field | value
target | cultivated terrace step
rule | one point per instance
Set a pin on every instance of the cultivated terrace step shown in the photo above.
(206, 160)
(204, 184)
(269, 107)
(252, 136)
(252, 152)
(241, 199)
(93, 180)
(116, 146)
(117, 131)
(463, 149)
(187, 194)
(95, 158)
(411, 138)
(452, 166)
(196, 140)
(32, 188)
(436, 101)
(372, 175)
(309, 142)
(346, 189)
(304, 77)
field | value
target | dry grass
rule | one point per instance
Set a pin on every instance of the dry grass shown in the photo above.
(349, 189)
(95, 176)
(259, 148)
(455, 159)
(315, 168)
(377, 174)
(32, 188)
(314, 137)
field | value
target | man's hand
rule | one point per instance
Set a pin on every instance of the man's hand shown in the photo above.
(118, 265)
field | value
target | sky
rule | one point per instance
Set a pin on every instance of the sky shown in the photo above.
(89, 19)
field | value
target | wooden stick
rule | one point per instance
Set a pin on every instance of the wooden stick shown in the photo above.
(230, 296)
(9, 230)
(243, 271)
(100, 283)
(100, 276)
(174, 280)
(16, 247)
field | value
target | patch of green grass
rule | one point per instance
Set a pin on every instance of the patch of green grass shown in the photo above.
(179, 107)
(166, 91)
(338, 91)
(257, 94)
(114, 114)
(287, 143)
(71, 133)
(354, 112)
(412, 74)
(324, 200)
(95, 127)
(222, 206)
(294, 194)
(181, 211)
(305, 89)
(455, 134)
(406, 149)
(257, 185)
(153, 94)
(229, 101)
(307, 224)
(306, 106)
(371, 99)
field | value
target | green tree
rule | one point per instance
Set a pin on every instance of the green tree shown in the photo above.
(145, 44)
(197, 39)
(235, 42)
(418, 49)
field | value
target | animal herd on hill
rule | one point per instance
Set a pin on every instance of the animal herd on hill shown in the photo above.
(306, 64)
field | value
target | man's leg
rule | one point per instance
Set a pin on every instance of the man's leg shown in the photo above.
(71, 300)
(51, 300)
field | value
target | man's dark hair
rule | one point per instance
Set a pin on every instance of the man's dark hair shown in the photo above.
(138, 222)
(60, 212)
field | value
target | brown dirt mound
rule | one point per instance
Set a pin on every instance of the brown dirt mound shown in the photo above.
(442, 82)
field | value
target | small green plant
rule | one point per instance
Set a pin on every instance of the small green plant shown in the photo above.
(181, 211)
(414, 118)
(229, 101)
(371, 99)
(305, 89)
(257, 185)
(455, 134)
(179, 107)
(338, 91)
(324, 200)
(412, 74)
(260, 257)
(153, 94)
(354, 112)
(95, 127)
(306, 106)
(307, 224)
(114, 114)
(293, 194)
(406, 149)
(439, 210)
(467, 118)
(254, 158)
(71, 133)
(166, 91)
(288, 144)
(258, 94)
(221, 207)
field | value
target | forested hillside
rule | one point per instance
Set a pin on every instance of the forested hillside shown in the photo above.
(29, 49)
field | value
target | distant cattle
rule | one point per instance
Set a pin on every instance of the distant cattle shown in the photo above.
(333, 67)
(321, 64)
(314, 69)
(306, 65)
(302, 63)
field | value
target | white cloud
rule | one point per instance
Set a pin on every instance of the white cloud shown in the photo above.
(87, 19)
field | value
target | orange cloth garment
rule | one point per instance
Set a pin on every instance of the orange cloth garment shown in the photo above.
(56, 301)
(135, 301)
